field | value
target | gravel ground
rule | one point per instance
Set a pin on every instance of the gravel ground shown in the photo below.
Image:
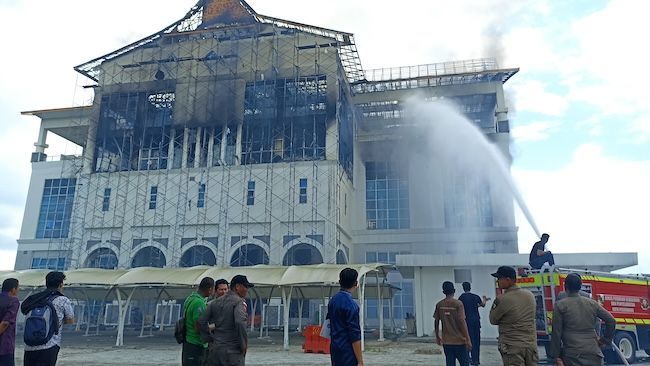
(162, 350)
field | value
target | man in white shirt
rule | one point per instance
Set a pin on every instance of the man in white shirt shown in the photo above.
(46, 354)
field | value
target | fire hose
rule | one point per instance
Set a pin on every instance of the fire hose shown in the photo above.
(620, 354)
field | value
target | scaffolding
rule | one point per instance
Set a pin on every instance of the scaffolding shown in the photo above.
(224, 139)
(227, 139)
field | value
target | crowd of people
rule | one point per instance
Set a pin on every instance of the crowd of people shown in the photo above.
(45, 314)
(575, 340)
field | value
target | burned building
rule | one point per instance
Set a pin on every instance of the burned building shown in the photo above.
(233, 138)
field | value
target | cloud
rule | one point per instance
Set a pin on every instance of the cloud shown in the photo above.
(610, 58)
(536, 131)
(533, 96)
(640, 130)
(7, 259)
(595, 203)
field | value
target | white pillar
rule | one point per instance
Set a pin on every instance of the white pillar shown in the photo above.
(122, 314)
(238, 145)
(210, 140)
(380, 308)
(253, 314)
(286, 301)
(300, 303)
(170, 149)
(41, 144)
(185, 147)
(362, 311)
(197, 147)
(224, 136)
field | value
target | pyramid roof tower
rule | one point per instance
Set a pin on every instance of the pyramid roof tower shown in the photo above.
(213, 15)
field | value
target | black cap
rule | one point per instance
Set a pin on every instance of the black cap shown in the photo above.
(505, 272)
(242, 280)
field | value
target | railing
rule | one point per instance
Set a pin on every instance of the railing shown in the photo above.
(63, 157)
(437, 69)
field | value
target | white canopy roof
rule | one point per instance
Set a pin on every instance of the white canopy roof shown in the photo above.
(311, 278)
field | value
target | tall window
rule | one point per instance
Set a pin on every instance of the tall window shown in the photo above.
(153, 197)
(56, 208)
(303, 190)
(387, 196)
(133, 131)
(250, 193)
(200, 202)
(106, 202)
(285, 120)
(468, 203)
(403, 303)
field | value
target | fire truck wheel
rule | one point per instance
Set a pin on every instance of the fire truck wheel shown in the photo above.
(627, 345)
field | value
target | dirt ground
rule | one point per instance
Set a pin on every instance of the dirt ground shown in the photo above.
(162, 350)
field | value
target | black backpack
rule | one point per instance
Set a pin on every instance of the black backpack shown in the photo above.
(180, 329)
(41, 323)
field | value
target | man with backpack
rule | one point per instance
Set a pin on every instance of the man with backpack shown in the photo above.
(45, 314)
(194, 349)
(9, 305)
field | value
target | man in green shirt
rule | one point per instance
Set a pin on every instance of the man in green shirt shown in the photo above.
(194, 306)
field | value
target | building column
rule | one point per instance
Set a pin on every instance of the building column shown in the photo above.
(170, 149)
(40, 146)
(185, 147)
(224, 143)
(238, 145)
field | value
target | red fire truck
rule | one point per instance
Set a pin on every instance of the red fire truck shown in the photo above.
(627, 297)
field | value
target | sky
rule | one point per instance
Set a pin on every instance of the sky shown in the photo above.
(579, 109)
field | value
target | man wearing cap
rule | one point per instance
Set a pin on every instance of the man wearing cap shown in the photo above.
(514, 313)
(455, 340)
(228, 313)
(574, 341)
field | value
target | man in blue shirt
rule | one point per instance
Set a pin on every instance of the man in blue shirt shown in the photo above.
(343, 314)
(471, 303)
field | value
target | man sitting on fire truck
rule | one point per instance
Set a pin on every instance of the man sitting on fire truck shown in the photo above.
(539, 255)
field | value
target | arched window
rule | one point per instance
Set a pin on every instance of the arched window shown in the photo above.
(302, 254)
(102, 258)
(249, 255)
(198, 255)
(149, 257)
(340, 258)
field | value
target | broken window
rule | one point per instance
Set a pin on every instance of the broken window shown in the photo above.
(133, 131)
(285, 120)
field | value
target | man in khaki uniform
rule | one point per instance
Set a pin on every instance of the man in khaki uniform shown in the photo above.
(514, 313)
(574, 341)
(228, 341)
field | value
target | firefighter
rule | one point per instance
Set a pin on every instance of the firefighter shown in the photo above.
(514, 313)
(574, 341)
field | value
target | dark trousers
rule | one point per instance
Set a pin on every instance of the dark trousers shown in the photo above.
(474, 330)
(538, 261)
(342, 357)
(7, 360)
(193, 355)
(455, 352)
(225, 357)
(45, 357)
